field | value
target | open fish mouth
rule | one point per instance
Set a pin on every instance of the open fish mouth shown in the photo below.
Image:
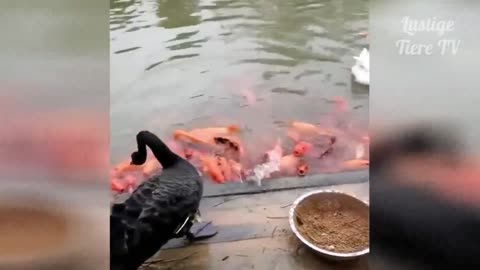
(226, 154)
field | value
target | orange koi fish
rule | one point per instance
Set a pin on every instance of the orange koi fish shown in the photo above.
(233, 146)
(211, 167)
(177, 148)
(116, 186)
(189, 153)
(125, 166)
(301, 148)
(304, 127)
(182, 135)
(205, 135)
(230, 169)
(308, 128)
(151, 167)
(302, 169)
(289, 164)
(216, 131)
(131, 183)
(293, 135)
(225, 168)
(355, 164)
(236, 169)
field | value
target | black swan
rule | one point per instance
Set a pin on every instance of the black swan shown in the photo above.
(162, 208)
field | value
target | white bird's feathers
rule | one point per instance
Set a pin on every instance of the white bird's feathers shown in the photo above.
(361, 69)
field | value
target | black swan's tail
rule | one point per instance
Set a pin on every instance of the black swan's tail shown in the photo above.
(131, 246)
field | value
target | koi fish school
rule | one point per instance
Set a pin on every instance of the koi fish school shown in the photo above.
(221, 154)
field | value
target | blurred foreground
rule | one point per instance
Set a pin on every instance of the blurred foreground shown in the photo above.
(425, 198)
(54, 135)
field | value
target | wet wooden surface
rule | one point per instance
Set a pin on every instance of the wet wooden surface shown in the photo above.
(253, 233)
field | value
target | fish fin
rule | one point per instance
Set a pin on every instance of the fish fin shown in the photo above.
(185, 134)
(178, 133)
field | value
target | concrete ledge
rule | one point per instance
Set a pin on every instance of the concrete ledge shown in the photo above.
(319, 180)
(248, 217)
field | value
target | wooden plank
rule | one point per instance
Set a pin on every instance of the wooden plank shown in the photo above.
(287, 183)
(280, 253)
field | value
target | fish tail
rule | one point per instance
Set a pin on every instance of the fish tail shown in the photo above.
(179, 134)
(218, 179)
(115, 185)
(233, 129)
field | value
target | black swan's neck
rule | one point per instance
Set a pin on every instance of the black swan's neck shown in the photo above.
(160, 150)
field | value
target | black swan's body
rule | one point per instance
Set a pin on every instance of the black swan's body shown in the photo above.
(160, 209)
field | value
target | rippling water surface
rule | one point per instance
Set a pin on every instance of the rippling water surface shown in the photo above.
(186, 63)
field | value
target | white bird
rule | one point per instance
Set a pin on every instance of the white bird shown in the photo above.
(361, 69)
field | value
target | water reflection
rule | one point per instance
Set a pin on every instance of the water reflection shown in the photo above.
(291, 54)
(177, 13)
(121, 12)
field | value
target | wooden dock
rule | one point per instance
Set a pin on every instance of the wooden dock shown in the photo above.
(253, 233)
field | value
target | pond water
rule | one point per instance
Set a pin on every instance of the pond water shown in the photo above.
(186, 63)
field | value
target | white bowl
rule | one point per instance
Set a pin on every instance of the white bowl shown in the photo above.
(346, 198)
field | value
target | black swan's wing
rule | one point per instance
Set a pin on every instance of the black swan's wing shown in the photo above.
(168, 204)
(155, 211)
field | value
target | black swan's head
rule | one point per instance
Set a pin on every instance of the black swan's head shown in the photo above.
(160, 150)
(138, 158)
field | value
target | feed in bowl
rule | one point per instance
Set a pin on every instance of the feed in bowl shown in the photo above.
(333, 221)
